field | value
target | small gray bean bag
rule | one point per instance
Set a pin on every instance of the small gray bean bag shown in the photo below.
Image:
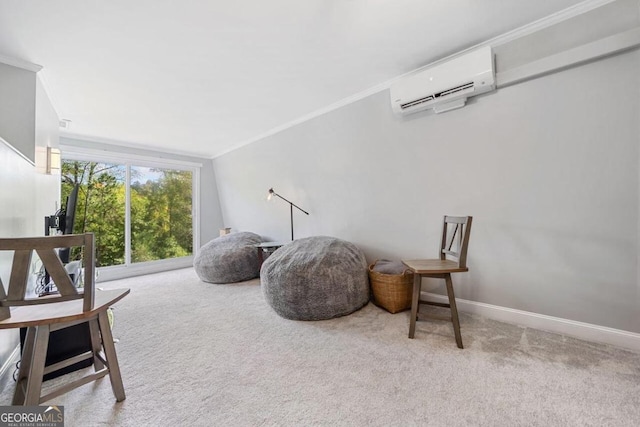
(228, 259)
(315, 278)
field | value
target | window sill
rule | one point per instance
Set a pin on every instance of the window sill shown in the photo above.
(116, 272)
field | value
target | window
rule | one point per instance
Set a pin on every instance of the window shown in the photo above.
(100, 208)
(142, 212)
(160, 214)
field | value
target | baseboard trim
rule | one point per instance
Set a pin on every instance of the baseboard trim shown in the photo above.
(581, 330)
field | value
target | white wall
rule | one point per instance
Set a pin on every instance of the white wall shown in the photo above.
(548, 168)
(47, 134)
(26, 195)
(17, 108)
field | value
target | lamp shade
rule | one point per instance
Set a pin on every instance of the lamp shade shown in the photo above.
(291, 206)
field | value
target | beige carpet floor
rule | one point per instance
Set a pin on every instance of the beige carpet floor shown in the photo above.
(197, 354)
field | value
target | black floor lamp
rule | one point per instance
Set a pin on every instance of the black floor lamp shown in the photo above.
(291, 205)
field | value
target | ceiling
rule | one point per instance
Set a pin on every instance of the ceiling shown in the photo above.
(204, 77)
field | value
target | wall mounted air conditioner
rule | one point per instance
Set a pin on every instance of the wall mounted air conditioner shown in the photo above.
(445, 86)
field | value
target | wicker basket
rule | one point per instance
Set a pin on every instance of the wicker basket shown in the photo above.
(391, 291)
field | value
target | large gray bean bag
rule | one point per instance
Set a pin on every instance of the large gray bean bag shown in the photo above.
(315, 278)
(228, 259)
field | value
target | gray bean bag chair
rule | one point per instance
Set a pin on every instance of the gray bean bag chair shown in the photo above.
(228, 259)
(315, 278)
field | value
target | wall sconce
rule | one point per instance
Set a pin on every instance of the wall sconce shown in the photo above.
(48, 160)
(291, 206)
(54, 161)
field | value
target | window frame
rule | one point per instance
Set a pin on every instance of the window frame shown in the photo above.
(128, 160)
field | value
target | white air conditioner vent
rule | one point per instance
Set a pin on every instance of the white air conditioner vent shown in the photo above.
(438, 95)
(455, 80)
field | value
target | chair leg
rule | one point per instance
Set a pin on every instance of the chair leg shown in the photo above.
(96, 345)
(36, 366)
(25, 364)
(415, 302)
(454, 309)
(112, 359)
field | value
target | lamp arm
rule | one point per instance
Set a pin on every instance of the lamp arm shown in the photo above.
(291, 203)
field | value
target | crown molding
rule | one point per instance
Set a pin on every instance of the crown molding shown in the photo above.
(546, 22)
(19, 63)
(525, 30)
(343, 102)
(540, 24)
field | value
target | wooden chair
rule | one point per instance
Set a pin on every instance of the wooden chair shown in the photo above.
(42, 315)
(456, 231)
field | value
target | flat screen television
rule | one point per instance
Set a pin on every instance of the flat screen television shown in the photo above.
(69, 215)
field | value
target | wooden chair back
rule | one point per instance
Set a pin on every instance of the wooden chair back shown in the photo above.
(46, 248)
(455, 238)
